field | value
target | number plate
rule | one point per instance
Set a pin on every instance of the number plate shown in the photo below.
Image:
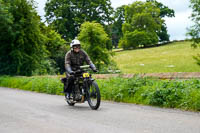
(85, 75)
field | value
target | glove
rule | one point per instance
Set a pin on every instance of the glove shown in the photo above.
(95, 70)
(71, 72)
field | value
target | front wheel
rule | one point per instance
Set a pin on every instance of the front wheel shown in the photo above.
(94, 97)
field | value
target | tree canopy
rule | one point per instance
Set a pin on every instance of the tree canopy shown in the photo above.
(164, 12)
(119, 19)
(194, 31)
(119, 16)
(142, 22)
(27, 45)
(66, 16)
(22, 51)
(94, 40)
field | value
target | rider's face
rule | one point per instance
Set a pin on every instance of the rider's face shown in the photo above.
(76, 48)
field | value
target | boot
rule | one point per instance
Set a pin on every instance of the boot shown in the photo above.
(68, 96)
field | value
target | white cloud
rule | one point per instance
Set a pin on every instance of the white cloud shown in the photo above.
(177, 5)
(177, 26)
(40, 4)
(118, 3)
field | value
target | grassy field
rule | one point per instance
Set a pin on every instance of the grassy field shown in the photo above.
(174, 57)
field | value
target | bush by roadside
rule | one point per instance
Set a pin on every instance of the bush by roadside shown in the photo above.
(49, 85)
(182, 94)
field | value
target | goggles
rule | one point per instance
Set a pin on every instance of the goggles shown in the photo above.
(76, 46)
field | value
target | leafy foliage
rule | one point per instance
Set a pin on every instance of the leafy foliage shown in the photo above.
(94, 40)
(6, 36)
(169, 94)
(28, 46)
(141, 18)
(194, 31)
(23, 50)
(38, 84)
(164, 12)
(172, 94)
(119, 16)
(137, 39)
(66, 16)
(56, 47)
(182, 94)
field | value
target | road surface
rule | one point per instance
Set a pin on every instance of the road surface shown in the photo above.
(29, 112)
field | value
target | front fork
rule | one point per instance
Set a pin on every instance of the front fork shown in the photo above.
(87, 83)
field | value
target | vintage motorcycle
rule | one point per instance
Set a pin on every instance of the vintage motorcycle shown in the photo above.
(85, 89)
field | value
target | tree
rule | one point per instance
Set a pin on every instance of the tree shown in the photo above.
(119, 16)
(28, 46)
(66, 16)
(22, 46)
(194, 31)
(56, 47)
(141, 19)
(164, 12)
(6, 35)
(94, 40)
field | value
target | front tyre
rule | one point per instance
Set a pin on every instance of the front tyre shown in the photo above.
(94, 97)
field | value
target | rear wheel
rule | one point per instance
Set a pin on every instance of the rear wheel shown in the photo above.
(94, 97)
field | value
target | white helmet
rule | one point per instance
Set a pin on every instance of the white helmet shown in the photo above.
(75, 42)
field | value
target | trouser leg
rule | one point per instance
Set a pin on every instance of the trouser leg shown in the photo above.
(65, 87)
(69, 85)
(64, 81)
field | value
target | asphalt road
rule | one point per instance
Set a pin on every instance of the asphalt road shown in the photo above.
(29, 112)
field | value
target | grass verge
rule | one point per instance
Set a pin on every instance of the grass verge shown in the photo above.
(181, 94)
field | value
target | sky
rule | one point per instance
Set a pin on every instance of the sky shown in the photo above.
(177, 26)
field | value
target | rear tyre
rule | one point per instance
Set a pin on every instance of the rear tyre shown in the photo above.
(94, 97)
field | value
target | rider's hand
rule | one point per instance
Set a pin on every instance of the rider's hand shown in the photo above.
(78, 71)
(95, 70)
(72, 73)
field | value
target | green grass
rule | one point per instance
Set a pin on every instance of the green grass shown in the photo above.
(174, 57)
(49, 85)
(181, 94)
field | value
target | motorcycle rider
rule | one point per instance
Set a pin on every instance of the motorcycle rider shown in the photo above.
(75, 58)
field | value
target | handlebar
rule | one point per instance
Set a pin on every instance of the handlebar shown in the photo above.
(81, 69)
(85, 66)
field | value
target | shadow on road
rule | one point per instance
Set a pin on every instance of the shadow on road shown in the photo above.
(80, 107)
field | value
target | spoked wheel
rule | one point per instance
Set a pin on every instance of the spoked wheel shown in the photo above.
(94, 97)
(70, 103)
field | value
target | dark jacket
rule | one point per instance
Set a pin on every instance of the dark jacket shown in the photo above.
(73, 60)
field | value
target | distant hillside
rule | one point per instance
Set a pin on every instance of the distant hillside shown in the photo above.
(174, 57)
